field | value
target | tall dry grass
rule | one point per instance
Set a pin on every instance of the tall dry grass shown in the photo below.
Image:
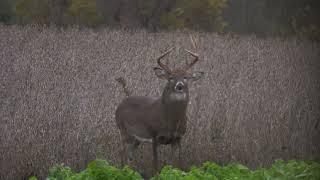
(259, 100)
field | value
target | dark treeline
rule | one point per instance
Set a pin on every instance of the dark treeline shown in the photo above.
(262, 17)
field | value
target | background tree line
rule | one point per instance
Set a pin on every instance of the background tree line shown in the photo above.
(263, 17)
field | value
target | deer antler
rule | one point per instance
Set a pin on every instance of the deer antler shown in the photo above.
(163, 66)
(196, 56)
(196, 59)
(194, 43)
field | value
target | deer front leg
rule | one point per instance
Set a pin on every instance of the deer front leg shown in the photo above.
(176, 145)
(132, 146)
(155, 155)
(122, 153)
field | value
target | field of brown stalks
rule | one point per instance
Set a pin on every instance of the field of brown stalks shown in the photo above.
(259, 100)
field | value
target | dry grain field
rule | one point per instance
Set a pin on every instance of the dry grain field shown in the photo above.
(259, 100)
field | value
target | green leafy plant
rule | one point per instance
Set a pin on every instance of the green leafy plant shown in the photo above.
(205, 15)
(96, 170)
(33, 178)
(36, 11)
(194, 14)
(280, 170)
(84, 12)
(59, 172)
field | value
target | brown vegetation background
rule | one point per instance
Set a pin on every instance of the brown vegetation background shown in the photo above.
(258, 102)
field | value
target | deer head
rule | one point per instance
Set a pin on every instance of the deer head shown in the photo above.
(176, 89)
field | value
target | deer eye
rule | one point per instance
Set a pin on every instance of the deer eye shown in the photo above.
(185, 79)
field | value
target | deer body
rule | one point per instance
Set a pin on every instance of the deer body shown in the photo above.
(146, 118)
(155, 120)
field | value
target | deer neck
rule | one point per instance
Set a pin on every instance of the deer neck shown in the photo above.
(174, 108)
(175, 101)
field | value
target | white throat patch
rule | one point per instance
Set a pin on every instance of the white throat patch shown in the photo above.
(141, 139)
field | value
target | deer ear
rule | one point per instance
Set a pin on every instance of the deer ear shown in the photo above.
(161, 73)
(197, 75)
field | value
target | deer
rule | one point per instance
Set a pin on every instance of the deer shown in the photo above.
(157, 120)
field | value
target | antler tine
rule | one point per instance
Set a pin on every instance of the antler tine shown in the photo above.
(163, 66)
(196, 59)
(193, 42)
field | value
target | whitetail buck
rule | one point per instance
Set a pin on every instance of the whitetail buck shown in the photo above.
(157, 120)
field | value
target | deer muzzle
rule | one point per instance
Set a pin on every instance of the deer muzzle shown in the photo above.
(179, 87)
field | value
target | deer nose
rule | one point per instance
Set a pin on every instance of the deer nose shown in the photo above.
(179, 86)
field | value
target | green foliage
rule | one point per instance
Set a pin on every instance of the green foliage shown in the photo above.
(33, 178)
(289, 170)
(146, 7)
(6, 14)
(96, 170)
(173, 19)
(84, 12)
(177, 14)
(312, 32)
(60, 172)
(36, 11)
(54, 11)
(203, 14)
(280, 170)
(265, 17)
(172, 173)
